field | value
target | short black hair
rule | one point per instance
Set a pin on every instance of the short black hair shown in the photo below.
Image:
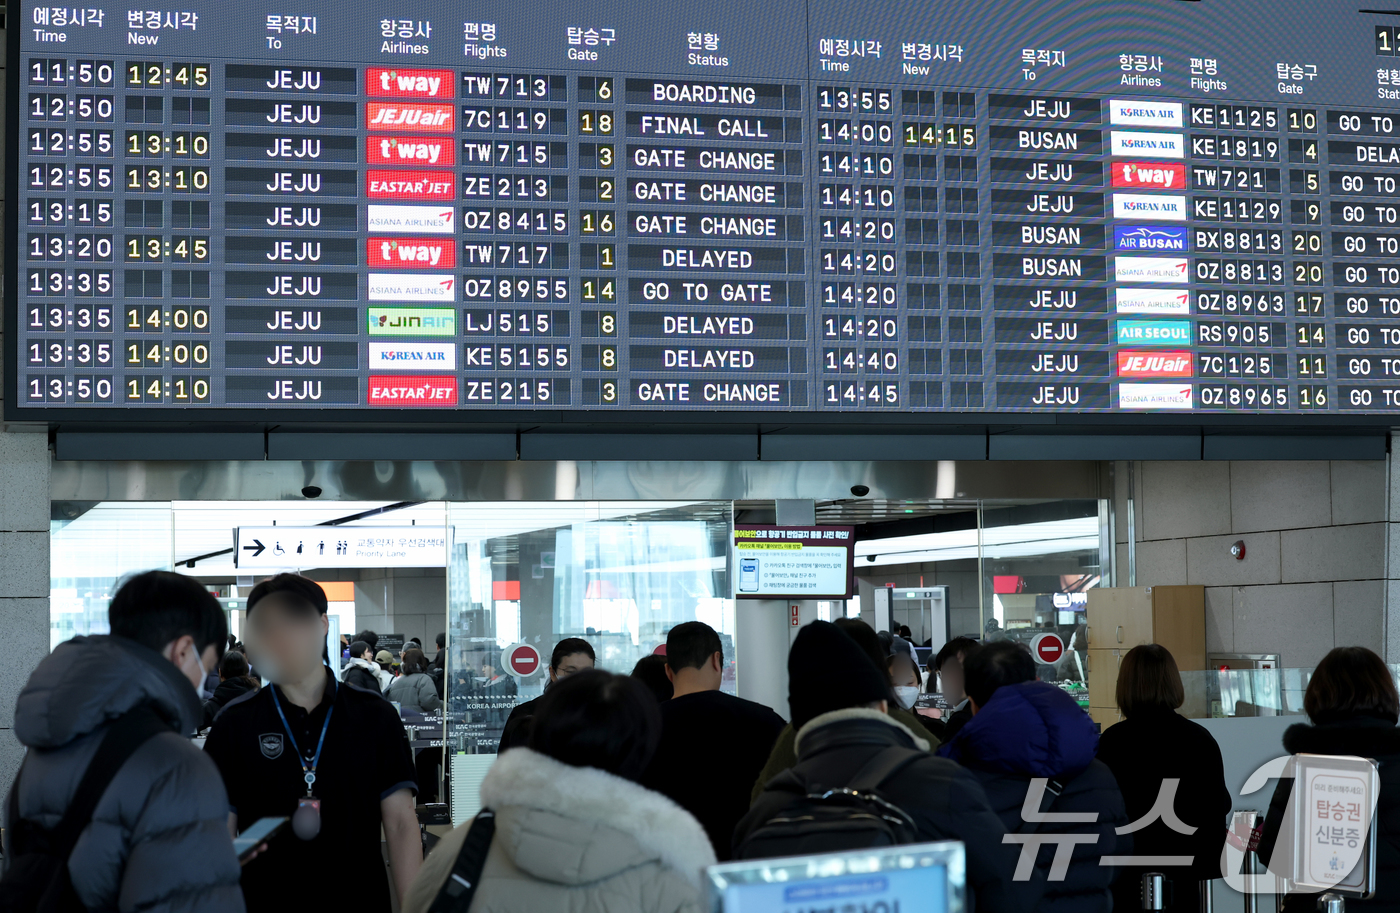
(650, 670)
(1003, 662)
(869, 643)
(905, 632)
(157, 607)
(1351, 681)
(597, 719)
(370, 638)
(568, 647)
(303, 592)
(357, 649)
(414, 640)
(690, 645)
(233, 666)
(963, 645)
(441, 641)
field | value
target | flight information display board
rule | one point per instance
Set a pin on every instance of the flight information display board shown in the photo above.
(609, 205)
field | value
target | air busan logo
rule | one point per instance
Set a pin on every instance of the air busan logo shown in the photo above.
(1147, 145)
(433, 118)
(1149, 206)
(383, 82)
(1147, 237)
(409, 150)
(412, 252)
(1149, 175)
(1154, 364)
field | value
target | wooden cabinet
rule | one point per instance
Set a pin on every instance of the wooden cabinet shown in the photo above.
(1121, 618)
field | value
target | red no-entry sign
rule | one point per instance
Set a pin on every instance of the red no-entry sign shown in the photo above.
(523, 660)
(1048, 648)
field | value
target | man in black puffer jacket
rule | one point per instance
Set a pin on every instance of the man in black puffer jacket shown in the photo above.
(837, 699)
(1022, 730)
(158, 841)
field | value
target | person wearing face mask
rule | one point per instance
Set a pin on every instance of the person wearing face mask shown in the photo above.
(157, 839)
(572, 654)
(904, 676)
(333, 758)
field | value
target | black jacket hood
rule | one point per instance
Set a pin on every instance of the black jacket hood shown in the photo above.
(1367, 736)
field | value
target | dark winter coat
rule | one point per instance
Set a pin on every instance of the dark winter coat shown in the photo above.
(1369, 737)
(944, 800)
(229, 689)
(1144, 750)
(1036, 730)
(159, 840)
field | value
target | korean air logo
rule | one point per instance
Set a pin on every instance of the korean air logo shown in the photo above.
(1149, 237)
(1145, 113)
(1141, 144)
(1142, 206)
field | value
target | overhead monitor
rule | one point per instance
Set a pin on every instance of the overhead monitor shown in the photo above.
(264, 211)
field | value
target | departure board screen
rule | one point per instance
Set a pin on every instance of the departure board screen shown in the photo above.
(893, 206)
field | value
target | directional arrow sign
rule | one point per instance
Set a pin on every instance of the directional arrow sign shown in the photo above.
(285, 548)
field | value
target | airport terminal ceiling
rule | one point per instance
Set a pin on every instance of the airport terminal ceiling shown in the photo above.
(1158, 211)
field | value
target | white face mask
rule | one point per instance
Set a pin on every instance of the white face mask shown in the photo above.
(203, 673)
(906, 695)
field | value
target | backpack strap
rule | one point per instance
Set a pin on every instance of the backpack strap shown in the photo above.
(456, 893)
(120, 742)
(883, 766)
(1054, 787)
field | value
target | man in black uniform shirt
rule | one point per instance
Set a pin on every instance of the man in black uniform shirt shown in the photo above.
(305, 726)
(713, 745)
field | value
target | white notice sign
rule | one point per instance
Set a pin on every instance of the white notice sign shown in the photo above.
(281, 548)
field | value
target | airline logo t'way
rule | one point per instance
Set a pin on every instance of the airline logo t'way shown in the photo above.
(1154, 396)
(392, 115)
(1149, 206)
(387, 390)
(409, 185)
(1154, 364)
(413, 356)
(1149, 237)
(425, 253)
(410, 150)
(396, 82)
(1145, 113)
(1145, 145)
(410, 287)
(1149, 175)
(1149, 269)
(436, 220)
(1152, 301)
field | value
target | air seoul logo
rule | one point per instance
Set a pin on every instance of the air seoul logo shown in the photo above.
(424, 253)
(1149, 175)
(410, 150)
(380, 115)
(1147, 237)
(384, 82)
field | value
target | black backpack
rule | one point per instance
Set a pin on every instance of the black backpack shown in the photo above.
(36, 878)
(821, 820)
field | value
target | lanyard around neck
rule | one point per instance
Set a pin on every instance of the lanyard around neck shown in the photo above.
(308, 770)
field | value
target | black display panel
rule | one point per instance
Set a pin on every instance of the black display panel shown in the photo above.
(270, 208)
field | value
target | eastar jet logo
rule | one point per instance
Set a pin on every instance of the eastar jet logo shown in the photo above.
(1154, 364)
(409, 185)
(409, 150)
(412, 391)
(433, 118)
(1149, 175)
(383, 82)
(421, 252)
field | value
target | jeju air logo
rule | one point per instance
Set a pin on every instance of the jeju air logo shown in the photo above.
(392, 115)
(386, 82)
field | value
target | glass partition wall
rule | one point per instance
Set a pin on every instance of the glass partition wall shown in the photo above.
(516, 577)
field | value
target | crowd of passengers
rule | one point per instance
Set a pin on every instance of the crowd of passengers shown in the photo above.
(613, 792)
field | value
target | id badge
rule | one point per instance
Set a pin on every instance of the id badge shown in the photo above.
(306, 822)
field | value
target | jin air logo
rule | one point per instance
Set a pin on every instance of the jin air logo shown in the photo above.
(271, 745)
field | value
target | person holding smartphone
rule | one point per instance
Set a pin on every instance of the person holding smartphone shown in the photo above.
(332, 758)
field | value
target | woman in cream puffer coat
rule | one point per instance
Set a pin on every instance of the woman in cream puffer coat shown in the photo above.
(574, 832)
